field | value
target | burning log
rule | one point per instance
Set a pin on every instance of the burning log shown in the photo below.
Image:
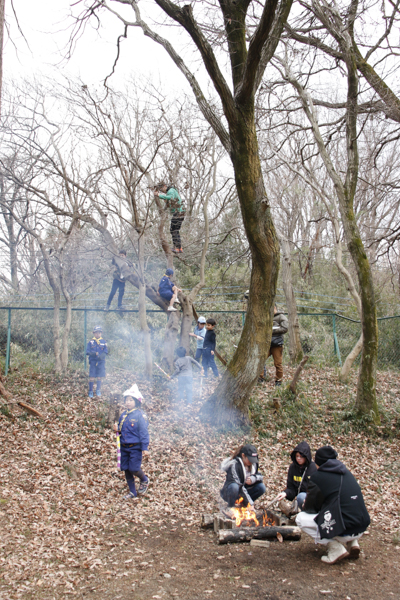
(245, 534)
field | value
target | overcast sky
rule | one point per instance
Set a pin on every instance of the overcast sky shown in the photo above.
(46, 27)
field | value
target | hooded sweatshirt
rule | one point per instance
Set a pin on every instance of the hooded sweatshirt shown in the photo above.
(236, 473)
(323, 489)
(296, 471)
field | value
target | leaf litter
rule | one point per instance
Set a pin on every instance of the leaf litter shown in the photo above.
(61, 509)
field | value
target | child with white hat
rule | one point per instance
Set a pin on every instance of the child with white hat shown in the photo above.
(134, 437)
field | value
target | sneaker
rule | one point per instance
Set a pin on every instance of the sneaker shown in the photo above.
(107, 308)
(130, 496)
(90, 394)
(353, 549)
(171, 308)
(336, 552)
(143, 486)
(177, 301)
(278, 383)
(98, 393)
(180, 250)
(175, 250)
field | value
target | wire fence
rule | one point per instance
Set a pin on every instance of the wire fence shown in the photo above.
(26, 335)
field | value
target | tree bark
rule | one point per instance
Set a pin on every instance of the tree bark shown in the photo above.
(2, 14)
(366, 403)
(295, 349)
(148, 356)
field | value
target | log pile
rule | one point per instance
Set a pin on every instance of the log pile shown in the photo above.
(227, 531)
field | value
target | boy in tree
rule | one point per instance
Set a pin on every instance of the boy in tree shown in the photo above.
(118, 283)
(209, 348)
(167, 290)
(174, 202)
(97, 351)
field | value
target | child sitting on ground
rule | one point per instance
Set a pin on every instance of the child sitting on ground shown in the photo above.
(209, 348)
(299, 474)
(242, 477)
(183, 366)
(167, 290)
(134, 437)
(97, 350)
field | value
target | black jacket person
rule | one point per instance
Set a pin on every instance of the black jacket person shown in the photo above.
(299, 473)
(334, 500)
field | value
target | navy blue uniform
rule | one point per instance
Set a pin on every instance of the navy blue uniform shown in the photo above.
(134, 437)
(208, 358)
(165, 288)
(97, 351)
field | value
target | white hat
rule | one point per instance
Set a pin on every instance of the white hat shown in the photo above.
(201, 320)
(134, 392)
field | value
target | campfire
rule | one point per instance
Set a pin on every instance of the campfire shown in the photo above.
(247, 524)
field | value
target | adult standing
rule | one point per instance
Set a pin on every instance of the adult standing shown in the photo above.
(334, 512)
(279, 328)
(176, 207)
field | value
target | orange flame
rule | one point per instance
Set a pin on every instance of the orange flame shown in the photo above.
(244, 513)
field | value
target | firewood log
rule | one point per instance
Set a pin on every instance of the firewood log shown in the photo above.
(245, 534)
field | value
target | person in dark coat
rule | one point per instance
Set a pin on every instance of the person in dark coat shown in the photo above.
(183, 370)
(134, 437)
(299, 474)
(118, 284)
(331, 481)
(97, 351)
(167, 290)
(243, 480)
(209, 348)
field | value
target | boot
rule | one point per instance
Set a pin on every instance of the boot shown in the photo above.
(353, 549)
(336, 551)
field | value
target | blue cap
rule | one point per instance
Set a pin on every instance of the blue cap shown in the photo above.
(169, 272)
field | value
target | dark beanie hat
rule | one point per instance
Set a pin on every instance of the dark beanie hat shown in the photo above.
(323, 454)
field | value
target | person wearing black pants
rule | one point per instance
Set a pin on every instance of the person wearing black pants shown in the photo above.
(175, 204)
(209, 348)
(117, 285)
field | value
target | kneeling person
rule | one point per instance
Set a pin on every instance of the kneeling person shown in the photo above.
(334, 510)
(299, 474)
(133, 430)
(242, 478)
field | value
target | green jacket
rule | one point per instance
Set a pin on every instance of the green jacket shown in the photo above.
(173, 201)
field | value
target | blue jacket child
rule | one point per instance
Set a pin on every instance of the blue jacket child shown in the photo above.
(134, 437)
(97, 350)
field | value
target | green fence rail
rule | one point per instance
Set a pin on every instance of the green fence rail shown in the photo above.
(327, 338)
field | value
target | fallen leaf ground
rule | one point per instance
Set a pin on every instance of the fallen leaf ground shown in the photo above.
(65, 530)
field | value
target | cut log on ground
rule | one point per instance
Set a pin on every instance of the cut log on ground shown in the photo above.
(245, 534)
(293, 385)
(207, 521)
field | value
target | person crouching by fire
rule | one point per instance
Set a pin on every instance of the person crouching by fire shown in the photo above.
(243, 483)
(299, 474)
(134, 438)
(334, 512)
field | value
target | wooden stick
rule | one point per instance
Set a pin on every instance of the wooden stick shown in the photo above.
(296, 376)
(272, 502)
(162, 371)
(27, 407)
(245, 534)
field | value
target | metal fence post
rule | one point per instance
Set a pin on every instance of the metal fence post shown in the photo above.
(84, 335)
(335, 340)
(8, 343)
(243, 318)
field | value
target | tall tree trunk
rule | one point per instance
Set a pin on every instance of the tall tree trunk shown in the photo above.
(366, 403)
(144, 328)
(229, 403)
(295, 349)
(56, 311)
(68, 321)
(2, 11)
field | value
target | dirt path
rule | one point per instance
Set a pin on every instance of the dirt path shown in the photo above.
(192, 566)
